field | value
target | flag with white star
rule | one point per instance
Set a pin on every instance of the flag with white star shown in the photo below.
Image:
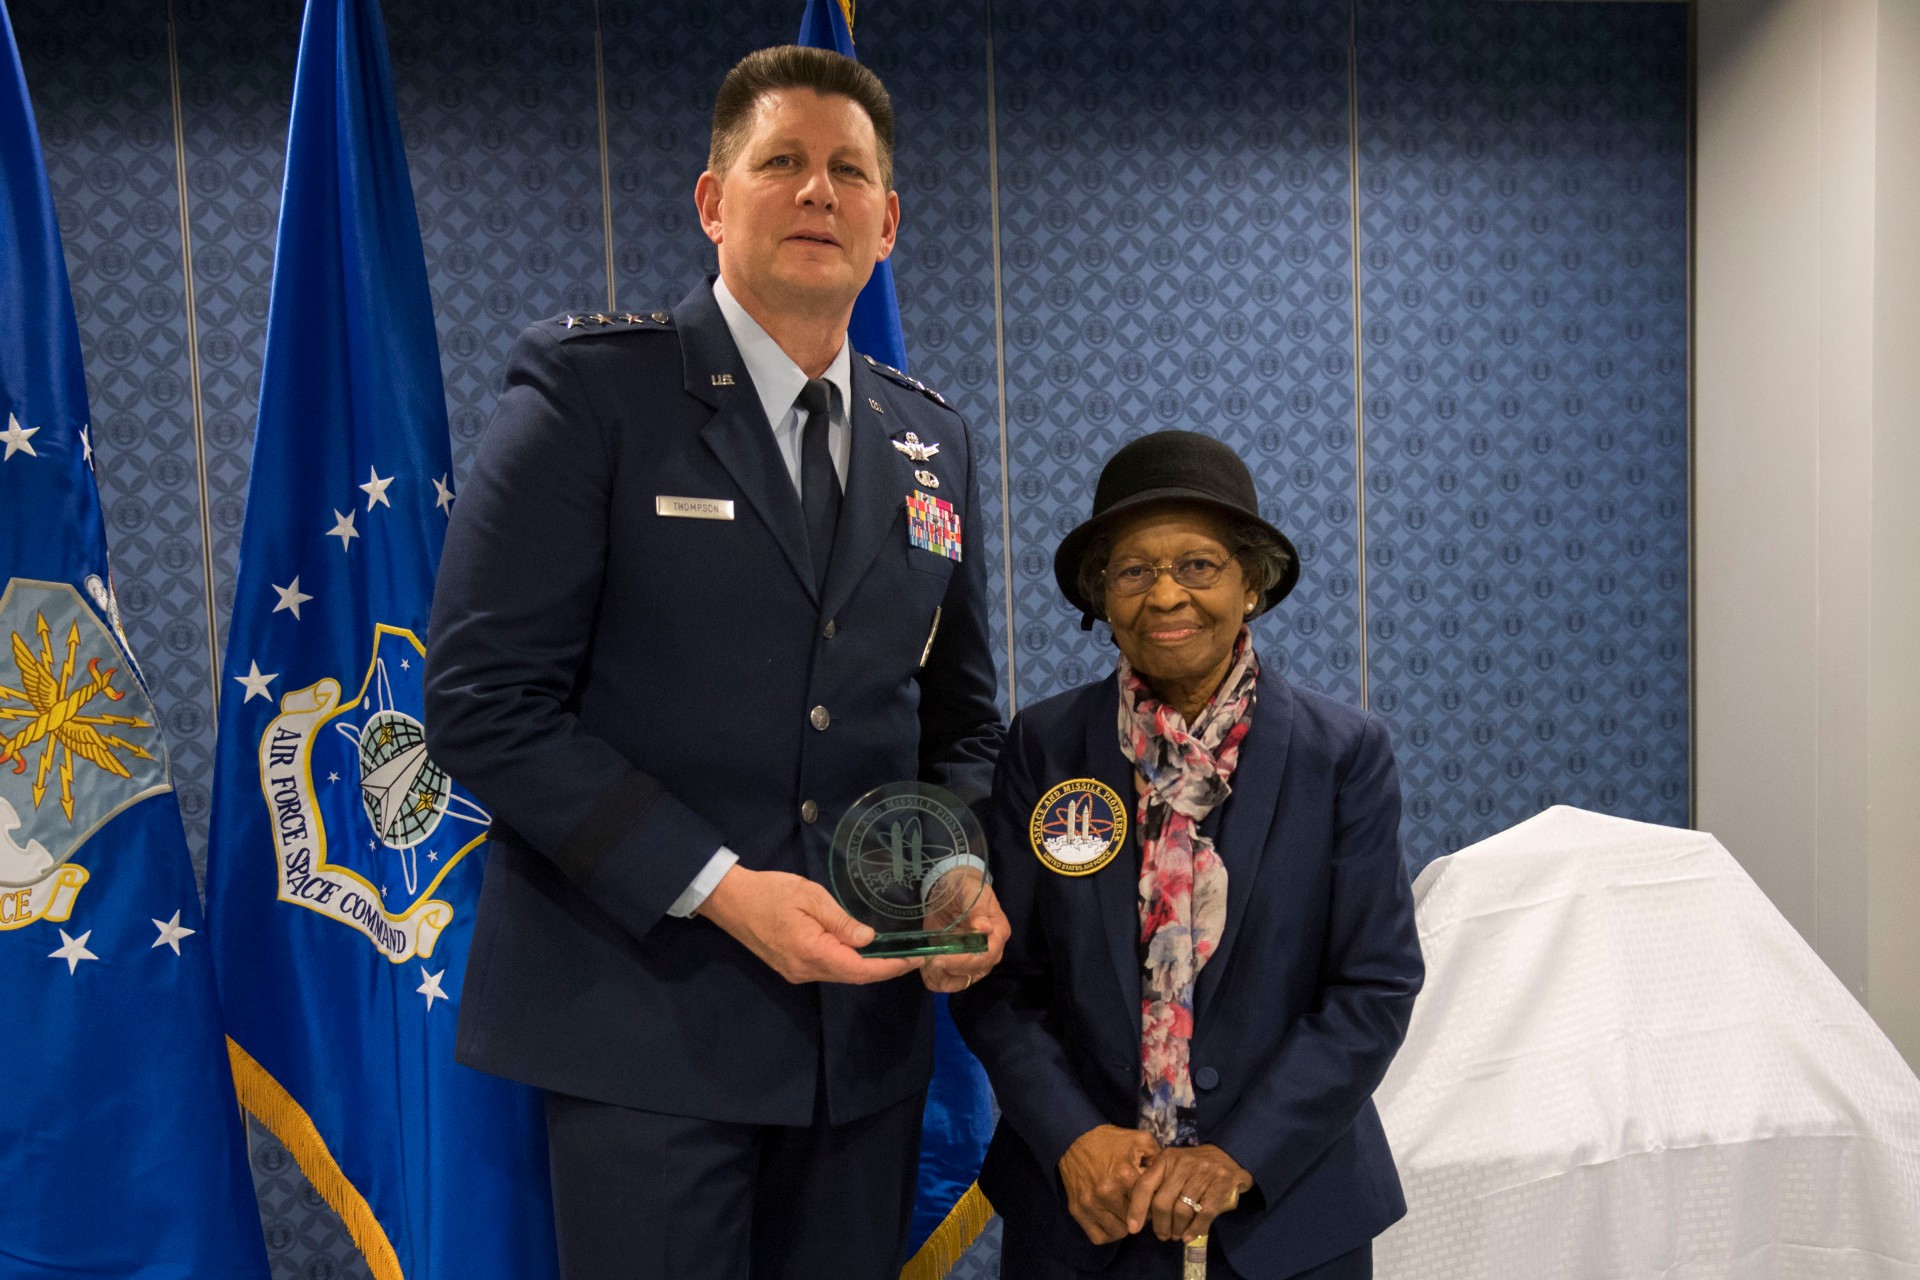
(344, 864)
(120, 1148)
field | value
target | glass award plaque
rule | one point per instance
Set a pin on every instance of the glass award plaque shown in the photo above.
(909, 860)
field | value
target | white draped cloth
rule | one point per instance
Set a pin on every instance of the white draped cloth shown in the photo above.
(1626, 1064)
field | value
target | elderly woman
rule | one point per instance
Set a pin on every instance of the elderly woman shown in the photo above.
(1213, 956)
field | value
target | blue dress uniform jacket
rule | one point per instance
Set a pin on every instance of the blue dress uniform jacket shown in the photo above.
(627, 690)
(1296, 1016)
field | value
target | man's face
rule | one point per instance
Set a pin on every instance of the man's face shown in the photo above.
(801, 217)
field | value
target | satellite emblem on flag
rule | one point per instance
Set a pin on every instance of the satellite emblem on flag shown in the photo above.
(360, 815)
(402, 791)
(77, 745)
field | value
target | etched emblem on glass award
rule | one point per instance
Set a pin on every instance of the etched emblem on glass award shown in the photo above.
(910, 861)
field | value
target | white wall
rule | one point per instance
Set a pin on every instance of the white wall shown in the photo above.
(1893, 861)
(1806, 595)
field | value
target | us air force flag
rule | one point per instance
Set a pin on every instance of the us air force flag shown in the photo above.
(344, 863)
(120, 1149)
(948, 1209)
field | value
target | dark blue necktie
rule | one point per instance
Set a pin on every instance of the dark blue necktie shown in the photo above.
(819, 486)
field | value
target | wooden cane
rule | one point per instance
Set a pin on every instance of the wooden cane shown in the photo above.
(1193, 1261)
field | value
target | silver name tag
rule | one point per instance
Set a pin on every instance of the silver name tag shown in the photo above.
(694, 508)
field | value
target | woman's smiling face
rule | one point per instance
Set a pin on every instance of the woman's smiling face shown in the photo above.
(1178, 638)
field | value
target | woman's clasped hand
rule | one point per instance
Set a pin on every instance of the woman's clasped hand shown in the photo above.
(1120, 1181)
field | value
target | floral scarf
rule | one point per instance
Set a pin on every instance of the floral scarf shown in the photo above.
(1183, 774)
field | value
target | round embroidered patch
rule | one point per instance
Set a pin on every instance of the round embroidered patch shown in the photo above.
(1078, 826)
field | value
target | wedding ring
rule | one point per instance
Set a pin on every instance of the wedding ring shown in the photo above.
(969, 982)
(1193, 1204)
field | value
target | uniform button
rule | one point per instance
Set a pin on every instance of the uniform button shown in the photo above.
(809, 811)
(831, 627)
(1205, 1078)
(819, 718)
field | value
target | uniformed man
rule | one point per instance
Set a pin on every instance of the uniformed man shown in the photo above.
(714, 576)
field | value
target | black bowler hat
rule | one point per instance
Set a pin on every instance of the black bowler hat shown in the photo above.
(1169, 466)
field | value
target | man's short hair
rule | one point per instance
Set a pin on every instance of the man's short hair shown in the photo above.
(792, 66)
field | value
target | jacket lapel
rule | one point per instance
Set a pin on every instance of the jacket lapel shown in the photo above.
(1116, 886)
(738, 433)
(1248, 818)
(879, 478)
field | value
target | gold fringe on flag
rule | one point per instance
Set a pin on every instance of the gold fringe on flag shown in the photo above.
(268, 1102)
(846, 7)
(951, 1238)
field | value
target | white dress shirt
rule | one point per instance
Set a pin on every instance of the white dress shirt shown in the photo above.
(778, 380)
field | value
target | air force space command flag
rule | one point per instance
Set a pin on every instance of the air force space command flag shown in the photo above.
(121, 1153)
(344, 863)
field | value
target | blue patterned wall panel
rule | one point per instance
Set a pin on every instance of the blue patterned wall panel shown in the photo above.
(98, 74)
(1176, 253)
(236, 76)
(503, 141)
(933, 59)
(1523, 243)
(664, 62)
(305, 1238)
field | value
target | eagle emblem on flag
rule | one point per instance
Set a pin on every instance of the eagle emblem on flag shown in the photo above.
(78, 744)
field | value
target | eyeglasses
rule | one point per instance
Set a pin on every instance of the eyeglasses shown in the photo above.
(1136, 577)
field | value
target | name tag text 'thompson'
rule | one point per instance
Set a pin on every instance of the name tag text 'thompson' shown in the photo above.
(694, 508)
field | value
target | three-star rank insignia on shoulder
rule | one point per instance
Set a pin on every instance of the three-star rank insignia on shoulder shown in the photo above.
(575, 323)
(894, 375)
(79, 736)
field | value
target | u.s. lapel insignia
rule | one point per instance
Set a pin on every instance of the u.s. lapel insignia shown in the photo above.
(722, 379)
(1078, 826)
(875, 405)
(927, 478)
(910, 445)
(933, 525)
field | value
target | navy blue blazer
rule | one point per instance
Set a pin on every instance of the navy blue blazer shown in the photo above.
(626, 690)
(1296, 1015)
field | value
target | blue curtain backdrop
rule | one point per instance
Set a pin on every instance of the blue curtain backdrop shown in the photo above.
(1115, 216)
